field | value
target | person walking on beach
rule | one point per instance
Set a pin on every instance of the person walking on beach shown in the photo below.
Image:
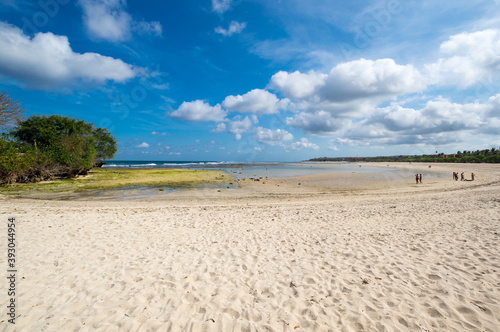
(416, 178)
(462, 176)
(472, 176)
(420, 178)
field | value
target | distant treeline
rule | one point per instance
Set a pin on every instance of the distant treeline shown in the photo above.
(479, 156)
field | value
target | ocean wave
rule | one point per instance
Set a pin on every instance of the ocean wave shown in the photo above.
(128, 165)
(180, 164)
(143, 165)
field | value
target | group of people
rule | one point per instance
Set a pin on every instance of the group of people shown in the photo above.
(418, 177)
(462, 176)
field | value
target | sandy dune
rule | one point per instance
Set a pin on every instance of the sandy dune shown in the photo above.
(383, 255)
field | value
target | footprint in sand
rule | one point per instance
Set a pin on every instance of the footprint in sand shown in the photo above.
(145, 315)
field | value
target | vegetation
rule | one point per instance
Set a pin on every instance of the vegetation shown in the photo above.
(47, 147)
(102, 179)
(480, 156)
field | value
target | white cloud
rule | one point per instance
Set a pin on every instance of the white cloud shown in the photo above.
(399, 118)
(221, 6)
(198, 110)
(442, 115)
(304, 144)
(319, 122)
(366, 79)
(276, 137)
(257, 101)
(143, 145)
(238, 127)
(350, 89)
(439, 121)
(221, 127)
(297, 85)
(494, 102)
(108, 20)
(469, 57)
(47, 61)
(234, 28)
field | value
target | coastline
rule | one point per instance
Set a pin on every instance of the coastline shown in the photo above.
(288, 254)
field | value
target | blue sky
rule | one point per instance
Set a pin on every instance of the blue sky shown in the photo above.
(283, 80)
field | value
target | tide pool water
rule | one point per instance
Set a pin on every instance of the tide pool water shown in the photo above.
(296, 169)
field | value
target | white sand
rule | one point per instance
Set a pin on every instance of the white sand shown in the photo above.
(278, 256)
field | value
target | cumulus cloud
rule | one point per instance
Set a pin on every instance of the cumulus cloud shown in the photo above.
(198, 110)
(106, 19)
(238, 127)
(271, 137)
(350, 89)
(319, 122)
(234, 28)
(297, 85)
(304, 144)
(221, 127)
(467, 58)
(257, 101)
(363, 79)
(109, 20)
(47, 61)
(143, 145)
(351, 81)
(439, 121)
(494, 102)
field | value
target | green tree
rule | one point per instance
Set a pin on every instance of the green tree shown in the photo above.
(49, 131)
(44, 131)
(105, 144)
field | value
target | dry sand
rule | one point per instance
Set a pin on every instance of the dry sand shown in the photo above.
(338, 252)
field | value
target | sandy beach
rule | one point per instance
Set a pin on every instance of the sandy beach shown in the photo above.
(329, 252)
